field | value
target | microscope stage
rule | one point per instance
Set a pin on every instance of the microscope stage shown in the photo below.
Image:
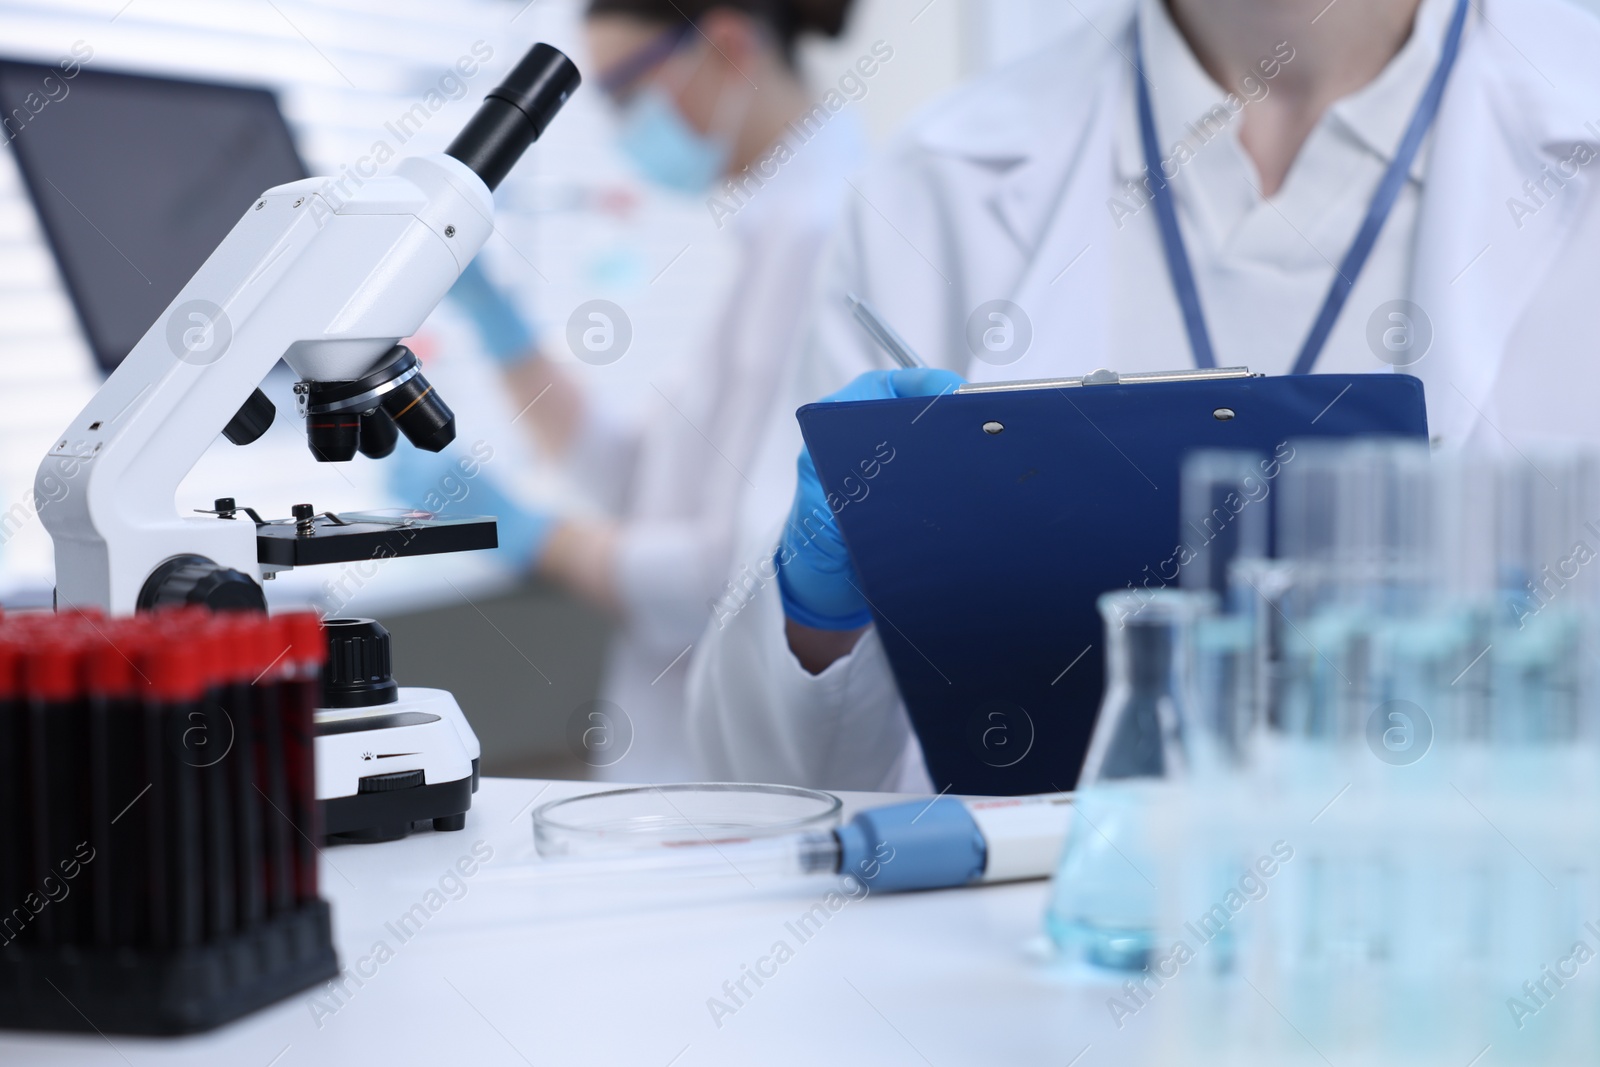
(358, 535)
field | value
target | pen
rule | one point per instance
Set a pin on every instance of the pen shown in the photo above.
(883, 333)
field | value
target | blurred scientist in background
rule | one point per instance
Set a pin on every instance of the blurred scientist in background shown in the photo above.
(1293, 185)
(711, 105)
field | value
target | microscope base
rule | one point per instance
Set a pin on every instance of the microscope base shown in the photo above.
(367, 818)
(386, 770)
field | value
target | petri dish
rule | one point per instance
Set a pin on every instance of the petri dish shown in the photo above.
(621, 820)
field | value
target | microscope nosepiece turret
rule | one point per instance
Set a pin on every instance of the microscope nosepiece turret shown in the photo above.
(343, 418)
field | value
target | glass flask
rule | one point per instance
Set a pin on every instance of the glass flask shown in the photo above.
(1104, 903)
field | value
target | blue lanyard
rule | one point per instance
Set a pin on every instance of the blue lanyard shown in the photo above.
(1344, 279)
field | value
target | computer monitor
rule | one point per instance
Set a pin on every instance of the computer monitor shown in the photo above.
(136, 179)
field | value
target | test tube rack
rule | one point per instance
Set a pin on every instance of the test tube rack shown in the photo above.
(157, 818)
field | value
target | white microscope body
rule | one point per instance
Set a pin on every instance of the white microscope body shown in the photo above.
(329, 285)
(329, 281)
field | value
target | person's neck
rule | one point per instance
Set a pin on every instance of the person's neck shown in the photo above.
(782, 99)
(776, 98)
(1338, 48)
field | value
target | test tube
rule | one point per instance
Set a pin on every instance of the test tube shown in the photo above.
(246, 639)
(109, 683)
(301, 687)
(1225, 503)
(130, 847)
(176, 684)
(1546, 595)
(275, 811)
(1358, 518)
(1358, 521)
(1221, 740)
(12, 802)
(51, 674)
(213, 755)
(184, 712)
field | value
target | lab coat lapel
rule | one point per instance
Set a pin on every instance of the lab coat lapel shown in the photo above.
(1044, 146)
(1065, 289)
(1478, 263)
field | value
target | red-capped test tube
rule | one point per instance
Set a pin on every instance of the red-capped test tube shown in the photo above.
(301, 693)
(171, 662)
(12, 714)
(55, 772)
(114, 862)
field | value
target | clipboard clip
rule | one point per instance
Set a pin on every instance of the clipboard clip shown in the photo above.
(1111, 377)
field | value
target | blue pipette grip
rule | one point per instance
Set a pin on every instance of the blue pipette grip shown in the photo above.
(917, 845)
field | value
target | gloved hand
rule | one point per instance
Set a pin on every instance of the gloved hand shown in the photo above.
(504, 332)
(815, 578)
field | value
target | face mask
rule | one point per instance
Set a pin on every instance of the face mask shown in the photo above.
(666, 149)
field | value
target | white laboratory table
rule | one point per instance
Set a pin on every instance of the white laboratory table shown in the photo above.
(508, 968)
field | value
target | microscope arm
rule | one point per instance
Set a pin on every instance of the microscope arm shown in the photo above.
(327, 279)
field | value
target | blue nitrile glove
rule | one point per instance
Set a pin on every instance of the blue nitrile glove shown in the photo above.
(815, 578)
(456, 482)
(505, 334)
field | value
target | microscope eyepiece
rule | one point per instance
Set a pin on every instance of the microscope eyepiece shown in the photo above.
(515, 113)
(363, 415)
(367, 415)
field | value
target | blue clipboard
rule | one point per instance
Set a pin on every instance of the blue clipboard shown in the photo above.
(985, 523)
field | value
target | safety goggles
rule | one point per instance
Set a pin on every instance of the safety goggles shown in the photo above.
(620, 82)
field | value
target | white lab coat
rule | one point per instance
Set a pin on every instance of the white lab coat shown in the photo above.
(999, 189)
(680, 479)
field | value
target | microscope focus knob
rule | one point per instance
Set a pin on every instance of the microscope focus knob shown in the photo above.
(359, 672)
(194, 579)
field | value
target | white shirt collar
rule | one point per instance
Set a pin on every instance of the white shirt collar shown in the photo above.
(1378, 113)
(1182, 93)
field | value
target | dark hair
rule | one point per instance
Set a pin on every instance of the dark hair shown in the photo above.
(788, 19)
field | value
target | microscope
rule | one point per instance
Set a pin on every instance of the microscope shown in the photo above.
(329, 283)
